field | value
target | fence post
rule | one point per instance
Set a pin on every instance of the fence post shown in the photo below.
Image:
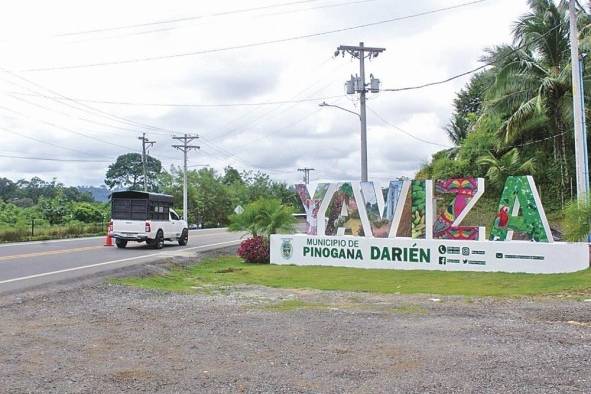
(32, 227)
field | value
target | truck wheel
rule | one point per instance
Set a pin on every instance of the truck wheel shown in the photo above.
(158, 242)
(121, 243)
(184, 238)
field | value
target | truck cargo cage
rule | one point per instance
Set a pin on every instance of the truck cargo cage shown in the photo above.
(136, 205)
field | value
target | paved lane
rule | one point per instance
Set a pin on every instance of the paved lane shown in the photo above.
(29, 264)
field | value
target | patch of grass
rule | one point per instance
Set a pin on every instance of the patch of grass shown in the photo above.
(291, 305)
(22, 232)
(227, 271)
(409, 309)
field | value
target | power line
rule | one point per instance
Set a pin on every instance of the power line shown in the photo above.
(262, 115)
(145, 104)
(72, 116)
(535, 141)
(175, 27)
(65, 128)
(253, 44)
(183, 19)
(41, 141)
(219, 149)
(236, 119)
(85, 107)
(301, 119)
(320, 7)
(240, 163)
(444, 146)
(239, 130)
(404, 131)
(53, 159)
(80, 118)
(439, 82)
(491, 63)
(231, 156)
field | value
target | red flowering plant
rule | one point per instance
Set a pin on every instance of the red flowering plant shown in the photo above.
(254, 250)
(261, 218)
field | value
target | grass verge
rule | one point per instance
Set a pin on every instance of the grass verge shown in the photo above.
(221, 272)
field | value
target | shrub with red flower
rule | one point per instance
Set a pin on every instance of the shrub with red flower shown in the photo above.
(254, 250)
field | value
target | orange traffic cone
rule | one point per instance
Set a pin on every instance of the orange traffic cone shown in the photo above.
(109, 239)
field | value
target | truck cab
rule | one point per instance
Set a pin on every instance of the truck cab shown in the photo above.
(146, 217)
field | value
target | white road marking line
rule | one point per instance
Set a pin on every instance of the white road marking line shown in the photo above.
(110, 262)
(51, 241)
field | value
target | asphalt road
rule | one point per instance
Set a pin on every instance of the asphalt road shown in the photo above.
(27, 264)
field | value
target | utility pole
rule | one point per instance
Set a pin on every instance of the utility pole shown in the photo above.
(306, 172)
(357, 84)
(578, 110)
(185, 147)
(146, 143)
(582, 57)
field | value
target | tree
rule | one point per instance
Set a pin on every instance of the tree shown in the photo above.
(532, 89)
(231, 176)
(457, 129)
(127, 172)
(508, 164)
(55, 210)
(7, 189)
(468, 106)
(210, 204)
(264, 217)
(87, 213)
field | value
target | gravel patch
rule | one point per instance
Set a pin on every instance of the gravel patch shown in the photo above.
(110, 338)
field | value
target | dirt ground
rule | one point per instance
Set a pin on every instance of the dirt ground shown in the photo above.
(98, 337)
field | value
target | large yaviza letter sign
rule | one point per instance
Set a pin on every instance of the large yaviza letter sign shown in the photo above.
(417, 224)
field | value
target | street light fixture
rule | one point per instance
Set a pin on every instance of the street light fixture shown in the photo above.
(325, 104)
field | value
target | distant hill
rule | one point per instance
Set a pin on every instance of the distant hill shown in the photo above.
(99, 193)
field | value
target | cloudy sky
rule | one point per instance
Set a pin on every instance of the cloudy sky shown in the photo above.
(82, 80)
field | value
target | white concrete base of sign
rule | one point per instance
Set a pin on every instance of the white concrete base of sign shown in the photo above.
(444, 255)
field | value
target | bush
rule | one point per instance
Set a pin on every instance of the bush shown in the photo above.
(576, 223)
(264, 216)
(87, 213)
(254, 250)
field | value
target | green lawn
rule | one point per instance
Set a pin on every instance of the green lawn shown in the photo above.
(220, 272)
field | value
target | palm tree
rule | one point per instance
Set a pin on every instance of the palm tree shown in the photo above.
(457, 129)
(264, 217)
(498, 169)
(532, 89)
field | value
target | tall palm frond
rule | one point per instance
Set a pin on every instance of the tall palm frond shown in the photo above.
(499, 168)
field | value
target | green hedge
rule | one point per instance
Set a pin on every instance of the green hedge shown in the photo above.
(42, 230)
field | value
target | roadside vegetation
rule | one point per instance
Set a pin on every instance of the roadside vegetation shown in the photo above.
(217, 274)
(35, 209)
(261, 219)
(212, 196)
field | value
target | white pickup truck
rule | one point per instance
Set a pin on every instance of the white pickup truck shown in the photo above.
(145, 217)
